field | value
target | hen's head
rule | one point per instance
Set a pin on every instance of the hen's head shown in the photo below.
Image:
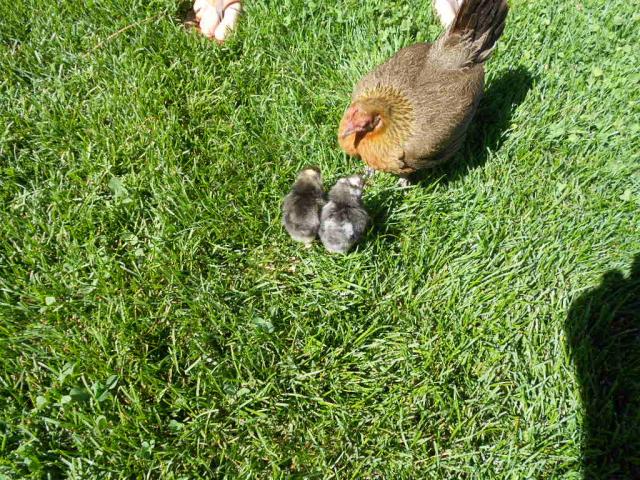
(360, 121)
(361, 118)
(377, 121)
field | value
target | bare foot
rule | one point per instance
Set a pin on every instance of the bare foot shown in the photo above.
(217, 18)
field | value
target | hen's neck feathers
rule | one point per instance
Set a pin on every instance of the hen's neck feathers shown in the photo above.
(379, 147)
(382, 148)
(394, 109)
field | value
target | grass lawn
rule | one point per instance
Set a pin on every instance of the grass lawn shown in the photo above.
(157, 322)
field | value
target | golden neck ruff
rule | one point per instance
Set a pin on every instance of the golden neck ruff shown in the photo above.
(382, 148)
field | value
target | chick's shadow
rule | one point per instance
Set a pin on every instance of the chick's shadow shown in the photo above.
(603, 335)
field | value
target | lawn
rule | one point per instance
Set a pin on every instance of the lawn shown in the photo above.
(157, 322)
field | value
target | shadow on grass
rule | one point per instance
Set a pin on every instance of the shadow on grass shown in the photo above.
(381, 207)
(186, 15)
(487, 131)
(603, 333)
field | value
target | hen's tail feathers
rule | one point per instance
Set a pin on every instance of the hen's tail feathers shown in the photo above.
(474, 29)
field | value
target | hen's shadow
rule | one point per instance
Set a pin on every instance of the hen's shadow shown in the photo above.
(603, 335)
(381, 206)
(486, 133)
(487, 130)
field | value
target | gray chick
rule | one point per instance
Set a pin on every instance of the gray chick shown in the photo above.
(344, 219)
(301, 207)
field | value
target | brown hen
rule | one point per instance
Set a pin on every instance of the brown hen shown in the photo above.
(412, 112)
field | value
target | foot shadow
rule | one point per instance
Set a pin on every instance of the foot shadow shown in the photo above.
(187, 15)
(603, 335)
(487, 130)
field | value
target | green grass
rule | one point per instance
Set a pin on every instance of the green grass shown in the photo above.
(157, 321)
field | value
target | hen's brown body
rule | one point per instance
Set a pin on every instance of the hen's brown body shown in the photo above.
(412, 112)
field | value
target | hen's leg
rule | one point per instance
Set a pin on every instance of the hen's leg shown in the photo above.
(404, 182)
(369, 172)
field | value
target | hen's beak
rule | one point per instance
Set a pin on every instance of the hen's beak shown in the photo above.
(356, 129)
(349, 131)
